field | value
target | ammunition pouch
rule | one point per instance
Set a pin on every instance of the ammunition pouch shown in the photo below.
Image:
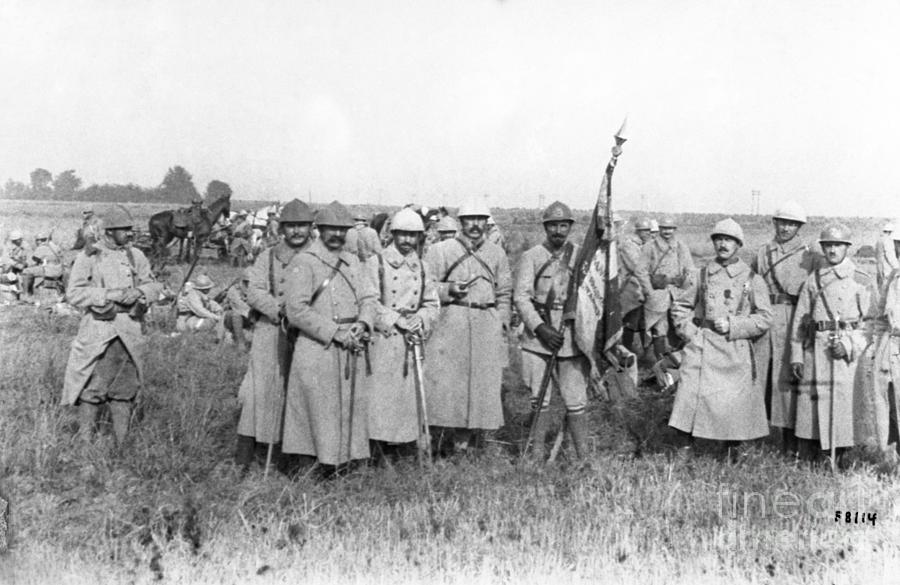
(107, 312)
(659, 281)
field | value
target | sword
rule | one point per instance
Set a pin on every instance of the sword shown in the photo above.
(424, 451)
(835, 336)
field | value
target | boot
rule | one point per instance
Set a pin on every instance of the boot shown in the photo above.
(243, 453)
(120, 411)
(788, 443)
(539, 444)
(87, 419)
(579, 431)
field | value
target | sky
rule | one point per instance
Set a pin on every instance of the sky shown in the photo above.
(438, 101)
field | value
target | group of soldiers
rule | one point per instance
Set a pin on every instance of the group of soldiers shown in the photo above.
(802, 340)
(31, 272)
(354, 339)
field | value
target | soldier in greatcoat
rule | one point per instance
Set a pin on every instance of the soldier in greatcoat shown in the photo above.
(634, 282)
(669, 265)
(784, 264)
(446, 228)
(271, 350)
(113, 284)
(719, 317)
(877, 402)
(362, 240)
(467, 351)
(828, 336)
(331, 301)
(540, 292)
(409, 306)
(885, 256)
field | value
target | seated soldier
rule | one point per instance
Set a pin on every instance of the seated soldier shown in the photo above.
(237, 311)
(46, 269)
(196, 311)
(14, 261)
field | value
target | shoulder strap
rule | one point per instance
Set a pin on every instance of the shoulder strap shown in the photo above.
(380, 277)
(566, 255)
(130, 254)
(335, 270)
(462, 258)
(661, 258)
(271, 252)
(820, 294)
(421, 284)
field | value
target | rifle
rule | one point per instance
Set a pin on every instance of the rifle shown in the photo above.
(835, 338)
(415, 341)
(221, 296)
(183, 282)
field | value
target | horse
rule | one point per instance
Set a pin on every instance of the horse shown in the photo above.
(163, 229)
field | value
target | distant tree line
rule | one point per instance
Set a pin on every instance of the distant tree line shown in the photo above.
(176, 187)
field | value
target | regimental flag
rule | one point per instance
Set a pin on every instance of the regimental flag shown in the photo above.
(597, 312)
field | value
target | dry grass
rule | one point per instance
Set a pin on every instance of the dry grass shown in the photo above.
(174, 508)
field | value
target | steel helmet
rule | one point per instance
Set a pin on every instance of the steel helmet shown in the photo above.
(296, 211)
(474, 208)
(654, 226)
(360, 216)
(447, 224)
(117, 218)
(835, 232)
(791, 211)
(203, 282)
(335, 215)
(407, 220)
(642, 223)
(729, 227)
(667, 221)
(888, 227)
(557, 211)
(87, 211)
(42, 235)
(15, 235)
(617, 217)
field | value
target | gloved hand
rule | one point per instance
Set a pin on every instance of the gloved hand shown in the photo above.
(131, 295)
(659, 281)
(838, 351)
(549, 336)
(797, 370)
(344, 338)
(409, 324)
(115, 295)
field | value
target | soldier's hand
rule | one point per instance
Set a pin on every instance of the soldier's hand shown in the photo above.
(549, 336)
(410, 324)
(838, 351)
(458, 289)
(722, 325)
(343, 338)
(357, 331)
(131, 295)
(115, 295)
(797, 370)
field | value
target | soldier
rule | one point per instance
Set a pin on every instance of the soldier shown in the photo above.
(263, 389)
(237, 316)
(114, 286)
(241, 249)
(90, 230)
(634, 283)
(881, 393)
(827, 336)
(467, 348)
(409, 308)
(196, 311)
(885, 257)
(46, 268)
(363, 240)
(493, 234)
(784, 264)
(541, 287)
(332, 303)
(720, 395)
(447, 228)
(669, 264)
(273, 230)
(14, 261)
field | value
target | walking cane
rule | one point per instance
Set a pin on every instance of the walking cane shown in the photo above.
(834, 339)
(354, 359)
(419, 368)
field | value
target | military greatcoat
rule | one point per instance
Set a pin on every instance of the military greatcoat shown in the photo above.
(467, 351)
(720, 395)
(92, 276)
(320, 406)
(832, 292)
(634, 282)
(876, 402)
(784, 267)
(406, 286)
(262, 390)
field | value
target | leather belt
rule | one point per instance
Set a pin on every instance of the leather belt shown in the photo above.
(345, 320)
(479, 306)
(704, 323)
(556, 306)
(829, 325)
(783, 299)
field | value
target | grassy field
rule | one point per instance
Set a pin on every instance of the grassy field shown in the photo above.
(173, 508)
